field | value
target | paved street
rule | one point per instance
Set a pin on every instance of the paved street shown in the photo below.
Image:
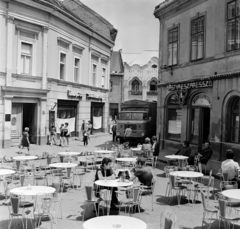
(188, 215)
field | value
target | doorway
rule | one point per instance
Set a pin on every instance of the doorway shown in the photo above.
(200, 125)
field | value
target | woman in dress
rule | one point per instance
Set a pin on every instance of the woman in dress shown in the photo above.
(66, 132)
(155, 149)
(25, 140)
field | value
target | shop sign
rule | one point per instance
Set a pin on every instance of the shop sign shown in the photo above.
(201, 100)
(93, 97)
(74, 94)
(190, 85)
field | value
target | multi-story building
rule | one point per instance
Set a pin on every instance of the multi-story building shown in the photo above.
(140, 75)
(54, 68)
(199, 96)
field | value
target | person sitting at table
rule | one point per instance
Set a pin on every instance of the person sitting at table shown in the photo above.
(185, 150)
(105, 172)
(204, 156)
(147, 148)
(231, 167)
(142, 172)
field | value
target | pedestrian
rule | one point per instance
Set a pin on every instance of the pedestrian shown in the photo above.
(85, 137)
(52, 135)
(114, 131)
(66, 132)
(147, 148)
(155, 149)
(83, 128)
(25, 140)
(89, 129)
(62, 142)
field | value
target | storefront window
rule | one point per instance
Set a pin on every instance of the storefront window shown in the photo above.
(174, 123)
(235, 113)
(195, 125)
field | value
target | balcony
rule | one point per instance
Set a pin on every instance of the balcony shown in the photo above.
(135, 92)
(151, 92)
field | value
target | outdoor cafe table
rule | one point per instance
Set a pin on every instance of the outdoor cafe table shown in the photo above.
(176, 157)
(32, 190)
(187, 174)
(232, 193)
(137, 151)
(101, 151)
(67, 154)
(24, 158)
(111, 222)
(4, 172)
(126, 159)
(63, 165)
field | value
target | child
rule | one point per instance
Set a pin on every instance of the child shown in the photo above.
(85, 137)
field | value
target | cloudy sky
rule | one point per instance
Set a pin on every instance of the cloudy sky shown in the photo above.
(138, 29)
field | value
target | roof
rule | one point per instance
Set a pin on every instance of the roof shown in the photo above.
(139, 58)
(85, 15)
(116, 65)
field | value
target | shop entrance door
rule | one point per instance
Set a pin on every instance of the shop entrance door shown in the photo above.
(16, 123)
(200, 125)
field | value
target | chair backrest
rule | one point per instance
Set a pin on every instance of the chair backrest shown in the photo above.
(227, 185)
(225, 176)
(222, 207)
(15, 202)
(203, 200)
(57, 186)
(135, 194)
(167, 220)
(18, 164)
(89, 192)
(69, 172)
(172, 181)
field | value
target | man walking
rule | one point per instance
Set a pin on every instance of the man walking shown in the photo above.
(83, 128)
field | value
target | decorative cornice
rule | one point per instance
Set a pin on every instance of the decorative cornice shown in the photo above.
(67, 42)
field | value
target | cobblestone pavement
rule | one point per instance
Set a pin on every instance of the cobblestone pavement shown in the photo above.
(188, 215)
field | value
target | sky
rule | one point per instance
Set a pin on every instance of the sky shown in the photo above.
(138, 29)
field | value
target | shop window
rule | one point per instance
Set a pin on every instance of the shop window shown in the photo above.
(174, 119)
(103, 77)
(197, 38)
(153, 85)
(26, 58)
(235, 124)
(135, 85)
(62, 70)
(233, 25)
(94, 75)
(173, 46)
(76, 69)
(111, 85)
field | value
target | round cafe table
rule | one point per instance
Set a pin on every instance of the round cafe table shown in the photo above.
(24, 158)
(136, 151)
(68, 153)
(32, 190)
(176, 157)
(4, 172)
(111, 222)
(113, 183)
(101, 151)
(63, 165)
(126, 159)
(232, 193)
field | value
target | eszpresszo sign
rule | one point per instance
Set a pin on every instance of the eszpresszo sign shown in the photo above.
(184, 86)
(74, 94)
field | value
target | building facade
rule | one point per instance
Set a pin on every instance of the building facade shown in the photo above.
(54, 68)
(199, 76)
(140, 76)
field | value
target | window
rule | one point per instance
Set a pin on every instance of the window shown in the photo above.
(111, 85)
(153, 85)
(235, 114)
(135, 85)
(62, 71)
(174, 119)
(197, 38)
(173, 47)
(233, 25)
(103, 77)
(94, 75)
(76, 69)
(26, 58)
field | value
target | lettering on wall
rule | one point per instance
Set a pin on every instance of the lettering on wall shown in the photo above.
(74, 94)
(93, 97)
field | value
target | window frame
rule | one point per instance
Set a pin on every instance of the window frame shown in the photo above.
(103, 76)
(135, 88)
(197, 17)
(65, 69)
(178, 33)
(227, 20)
(94, 64)
(25, 54)
(155, 85)
(232, 112)
(79, 69)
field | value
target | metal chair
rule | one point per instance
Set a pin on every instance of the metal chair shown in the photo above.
(57, 196)
(167, 220)
(78, 173)
(68, 178)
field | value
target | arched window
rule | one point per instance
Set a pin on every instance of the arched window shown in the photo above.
(234, 123)
(135, 85)
(153, 85)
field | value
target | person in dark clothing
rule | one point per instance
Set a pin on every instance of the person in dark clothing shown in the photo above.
(204, 156)
(144, 174)
(155, 149)
(185, 150)
(85, 137)
(114, 130)
(105, 172)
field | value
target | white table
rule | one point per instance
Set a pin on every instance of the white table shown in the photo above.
(232, 193)
(111, 222)
(104, 151)
(69, 153)
(32, 190)
(24, 158)
(136, 150)
(127, 159)
(176, 157)
(4, 172)
(63, 165)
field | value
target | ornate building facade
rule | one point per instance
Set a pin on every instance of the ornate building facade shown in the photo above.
(54, 68)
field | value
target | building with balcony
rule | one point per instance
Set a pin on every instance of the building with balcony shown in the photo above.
(54, 68)
(140, 75)
(199, 96)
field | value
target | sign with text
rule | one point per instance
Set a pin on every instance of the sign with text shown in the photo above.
(190, 85)
(74, 94)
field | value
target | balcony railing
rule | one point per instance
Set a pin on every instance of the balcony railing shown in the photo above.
(151, 92)
(135, 92)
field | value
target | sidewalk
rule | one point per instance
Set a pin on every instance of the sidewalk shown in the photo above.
(75, 144)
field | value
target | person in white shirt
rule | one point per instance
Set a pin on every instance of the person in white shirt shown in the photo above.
(230, 166)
